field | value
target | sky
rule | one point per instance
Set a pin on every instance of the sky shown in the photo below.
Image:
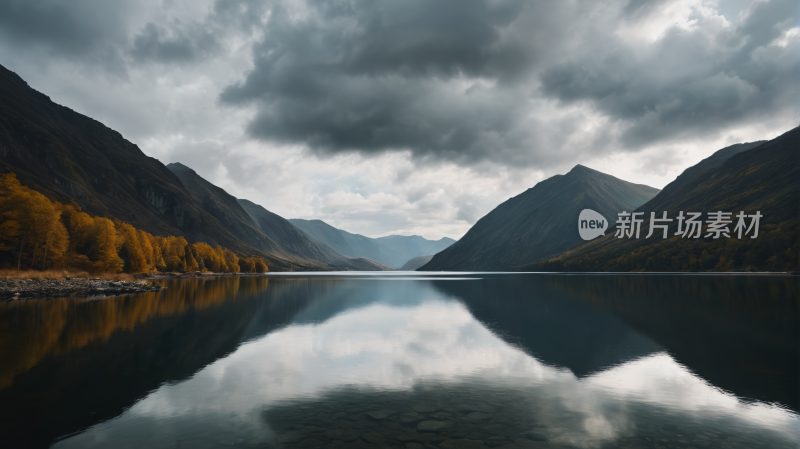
(414, 117)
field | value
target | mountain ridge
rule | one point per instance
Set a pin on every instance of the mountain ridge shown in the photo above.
(538, 223)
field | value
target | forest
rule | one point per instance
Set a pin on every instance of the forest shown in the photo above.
(36, 233)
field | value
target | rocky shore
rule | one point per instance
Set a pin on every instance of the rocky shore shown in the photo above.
(13, 289)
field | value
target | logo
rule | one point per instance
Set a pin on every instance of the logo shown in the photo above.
(591, 224)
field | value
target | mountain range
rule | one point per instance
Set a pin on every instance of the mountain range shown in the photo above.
(392, 250)
(72, 158)
(540, 222)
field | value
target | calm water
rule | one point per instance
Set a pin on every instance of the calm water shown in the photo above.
(466, 360)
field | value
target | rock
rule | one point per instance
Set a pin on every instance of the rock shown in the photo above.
(410, 418)
(408, 438)
(379, 415)
(477, 416)
(433, 438)
(310, 442)
(476, 407)
(426, 407)
(462, 444)
(373, 438)
(414, 446)
(496, 441)
(434, 426)
(292, 437)
(534, 436)
(343, 434)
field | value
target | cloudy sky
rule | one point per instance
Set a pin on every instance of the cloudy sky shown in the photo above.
(414, 116)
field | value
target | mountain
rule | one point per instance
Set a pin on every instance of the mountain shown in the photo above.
(70, 157)
(540, 222)
(393, 250)
(411, 246)
(296, 242)
(226, 209)
(764, 178)
(415, 263)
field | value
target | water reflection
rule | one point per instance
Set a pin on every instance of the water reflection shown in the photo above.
(310, 361)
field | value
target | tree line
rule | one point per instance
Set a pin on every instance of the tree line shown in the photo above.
(36, 233)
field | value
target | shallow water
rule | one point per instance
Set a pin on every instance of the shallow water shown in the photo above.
(409, 360)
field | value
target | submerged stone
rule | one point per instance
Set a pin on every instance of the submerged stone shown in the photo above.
(426, 407)
(343, 434)
(534, 436)
(434, 426)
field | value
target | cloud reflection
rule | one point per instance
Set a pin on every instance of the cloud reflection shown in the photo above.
(384, 347)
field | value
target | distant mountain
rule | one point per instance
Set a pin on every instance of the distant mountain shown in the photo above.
(540, 222)
(393, 250)
(764, 178)
(411, 246)
(415, 263)
(296, 242)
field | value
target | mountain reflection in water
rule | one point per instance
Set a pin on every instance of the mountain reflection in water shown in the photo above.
(304, 361)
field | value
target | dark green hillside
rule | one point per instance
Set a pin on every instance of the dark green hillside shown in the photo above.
(540, 222)
(765, 178)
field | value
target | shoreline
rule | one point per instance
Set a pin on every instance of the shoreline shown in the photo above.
(17, 289)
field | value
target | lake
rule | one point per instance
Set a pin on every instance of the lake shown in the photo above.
(412, 360)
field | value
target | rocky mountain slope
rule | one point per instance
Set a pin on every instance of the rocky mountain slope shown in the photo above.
(540, 222)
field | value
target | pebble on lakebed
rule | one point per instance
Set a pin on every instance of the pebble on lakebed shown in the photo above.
(14, 289)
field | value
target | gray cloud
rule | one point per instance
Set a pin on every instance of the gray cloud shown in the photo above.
(82, 29)
(690, 81)
(467, 81)
(177, 44)
(110, 34)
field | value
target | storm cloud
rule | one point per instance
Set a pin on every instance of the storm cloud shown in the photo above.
(506, 81)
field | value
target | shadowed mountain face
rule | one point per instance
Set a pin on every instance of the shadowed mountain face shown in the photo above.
(393, 250)
(764, 178)
(539, 223)
(225, 208)
(70, 157)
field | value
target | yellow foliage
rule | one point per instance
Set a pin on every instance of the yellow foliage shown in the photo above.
(39, 233)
